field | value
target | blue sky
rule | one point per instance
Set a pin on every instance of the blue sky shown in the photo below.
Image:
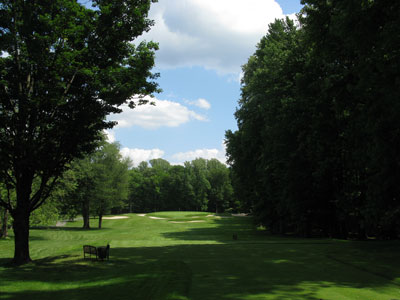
(203, 44)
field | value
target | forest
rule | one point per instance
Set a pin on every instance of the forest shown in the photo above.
(316, 152)
(104, 182)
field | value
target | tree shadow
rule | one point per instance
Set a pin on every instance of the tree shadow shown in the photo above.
(211, 265)
(64, 228)
(235, 230)
(219, 271)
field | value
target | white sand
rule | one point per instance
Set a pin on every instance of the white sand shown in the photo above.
(141, 215)
(115, 217)
(240, 215)
(180, 222)
(157, 218)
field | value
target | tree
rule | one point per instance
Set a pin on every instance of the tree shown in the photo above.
(270, 118)
(221, 192)
(355, 51)
(110, 177)
(64, 68)
(135, 200)
(197, 175)
(317, 141)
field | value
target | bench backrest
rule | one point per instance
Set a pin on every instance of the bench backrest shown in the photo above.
(89, 249)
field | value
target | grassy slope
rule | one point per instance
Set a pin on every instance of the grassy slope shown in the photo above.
(157, 259)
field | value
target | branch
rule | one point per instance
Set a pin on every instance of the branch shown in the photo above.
(37, 196)
(42, 194)
(5, 204)
(11, 179)
(69, 84)
(29, 83)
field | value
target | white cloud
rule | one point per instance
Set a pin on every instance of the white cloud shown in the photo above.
(202, 103)
(219, 154)
(139, 155)
(110, 136)
(164, 113)
(218, 35)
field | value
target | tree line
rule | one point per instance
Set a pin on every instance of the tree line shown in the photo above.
(199, 185)
(104, 182)
(317, 148)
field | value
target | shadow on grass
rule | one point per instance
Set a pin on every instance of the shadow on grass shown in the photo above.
(67, 228)
(222, 271)
(252, 267)
(236, 230)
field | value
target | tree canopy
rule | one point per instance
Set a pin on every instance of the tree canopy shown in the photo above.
(316, 150)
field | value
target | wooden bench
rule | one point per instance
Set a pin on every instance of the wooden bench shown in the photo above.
(91, 250)
(103, 252)
(99, 252)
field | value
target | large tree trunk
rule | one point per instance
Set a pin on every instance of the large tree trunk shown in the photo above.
(86, 214)
(21, 237)
(21, 218)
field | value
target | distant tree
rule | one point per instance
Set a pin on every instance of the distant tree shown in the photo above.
(110, 177)
(198, 185)
(160, 164)
(197, 175)
(135, 202)
(64, 68)
(221, 193)
(100, 184)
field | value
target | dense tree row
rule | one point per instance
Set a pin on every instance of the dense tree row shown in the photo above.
(103, 183)
(317, 146)
(199, 185)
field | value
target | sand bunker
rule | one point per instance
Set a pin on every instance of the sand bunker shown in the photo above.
(157, 218)
(115, 217)
(180, 222)
(240, 215)
(141, 215)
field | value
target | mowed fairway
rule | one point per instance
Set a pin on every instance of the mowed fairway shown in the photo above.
(172, 255)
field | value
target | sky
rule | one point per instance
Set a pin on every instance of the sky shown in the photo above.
(203, 44)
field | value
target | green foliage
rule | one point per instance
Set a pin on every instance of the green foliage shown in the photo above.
(45, 215)
(202, 185)
(101, 183)
(64, 68)
(110, 176)
(316, 148)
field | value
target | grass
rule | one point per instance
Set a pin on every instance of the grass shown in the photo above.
(158, 259)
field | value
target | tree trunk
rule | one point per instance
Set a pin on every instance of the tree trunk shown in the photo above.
(21, 218)
(85, 214)
(4, 231)
(21, 237)
(100, 220)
